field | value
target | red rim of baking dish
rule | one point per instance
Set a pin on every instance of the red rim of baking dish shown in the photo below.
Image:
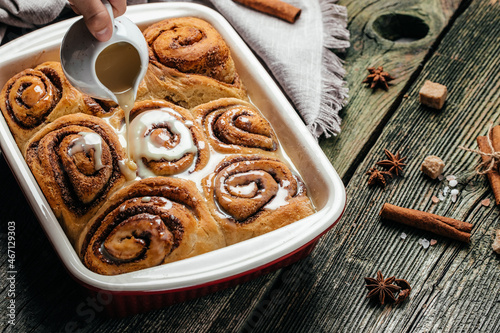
(219, 281)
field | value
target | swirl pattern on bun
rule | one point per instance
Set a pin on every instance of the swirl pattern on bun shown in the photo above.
(235, 126)
(190, 64)
(35, 97)
(75, 160)
(165, 140)
(250, 195)
(148, 223)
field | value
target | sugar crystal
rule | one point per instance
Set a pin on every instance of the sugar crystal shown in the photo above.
(424, 242)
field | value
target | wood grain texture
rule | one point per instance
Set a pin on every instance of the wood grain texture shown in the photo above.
(455, 286)
(368, 109)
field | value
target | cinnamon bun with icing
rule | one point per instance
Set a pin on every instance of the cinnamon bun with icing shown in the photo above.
(148, 223)
(75, 160)
(164, 140)
(250, 195)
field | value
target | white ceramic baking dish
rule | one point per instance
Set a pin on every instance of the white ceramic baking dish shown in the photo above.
(178, 281)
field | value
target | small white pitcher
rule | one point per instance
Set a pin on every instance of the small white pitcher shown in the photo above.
(80, 50)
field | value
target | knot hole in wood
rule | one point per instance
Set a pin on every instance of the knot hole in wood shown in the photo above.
(400, 28)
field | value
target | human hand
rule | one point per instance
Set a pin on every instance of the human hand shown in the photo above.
(96, 16)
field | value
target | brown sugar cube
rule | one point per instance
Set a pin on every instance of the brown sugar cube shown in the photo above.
(433, 94)
(432, 166)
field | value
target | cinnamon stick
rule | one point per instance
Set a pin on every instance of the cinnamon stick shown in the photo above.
(493, 175)
(275, 8)
(444, 226)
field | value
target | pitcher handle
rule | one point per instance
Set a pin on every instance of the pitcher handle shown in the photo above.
(109, 8)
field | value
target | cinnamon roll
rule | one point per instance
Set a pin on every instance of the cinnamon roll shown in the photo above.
(75, 160)
(190, 64)
(35, 97)
(250, 195)
(235, 126)
(191, 46)
(148, 223)
(164, 140)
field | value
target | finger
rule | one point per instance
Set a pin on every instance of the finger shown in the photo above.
(96, 18)
(119, 7)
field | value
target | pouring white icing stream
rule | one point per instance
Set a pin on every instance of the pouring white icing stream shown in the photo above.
(118, 67)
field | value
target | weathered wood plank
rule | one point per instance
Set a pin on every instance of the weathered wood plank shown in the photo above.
(456, 287)
(48, 302)
(339, 149)
(367, 110)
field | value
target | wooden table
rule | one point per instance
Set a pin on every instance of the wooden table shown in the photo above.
(456, 287)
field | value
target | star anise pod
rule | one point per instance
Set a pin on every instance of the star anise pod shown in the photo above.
(378, 177)
(393, 162)
(404, 292)
(383, 289)
(378, 77)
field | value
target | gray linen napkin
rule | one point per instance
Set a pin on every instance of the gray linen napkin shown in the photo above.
(28, 13)
(299, 55)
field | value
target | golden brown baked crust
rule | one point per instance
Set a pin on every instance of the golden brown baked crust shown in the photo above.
(162, 132)
(250, 195)
(34, 97)
(74, 187)
(98, 107)
(190, 64)
(150, 222)
(235, 127)
(191, 46)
